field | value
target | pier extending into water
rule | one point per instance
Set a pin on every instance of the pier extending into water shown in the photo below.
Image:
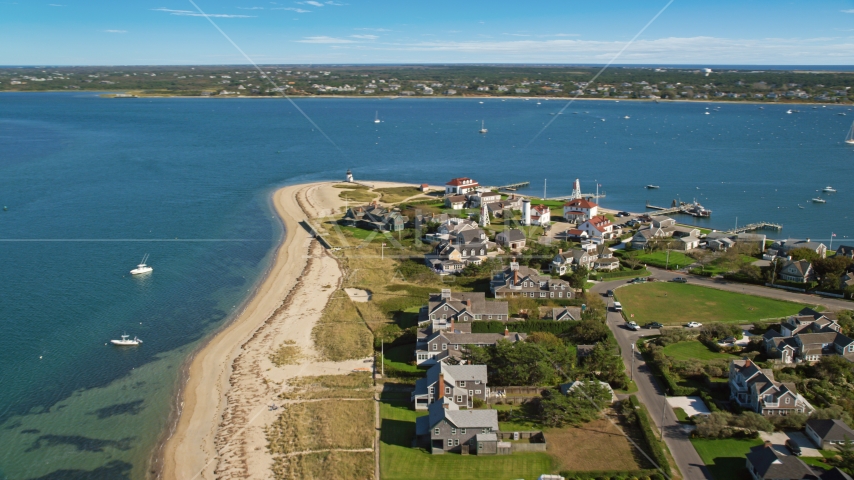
(663, 210)
(583, 195)
(514, 186)
(756, 226)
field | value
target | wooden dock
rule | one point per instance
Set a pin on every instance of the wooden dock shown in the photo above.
(583, 195)
(755, 226)
(663, 210)
(514, 186)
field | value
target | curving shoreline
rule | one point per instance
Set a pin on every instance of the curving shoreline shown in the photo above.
(190, 450)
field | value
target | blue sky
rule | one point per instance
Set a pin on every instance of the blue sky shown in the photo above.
(146, 32)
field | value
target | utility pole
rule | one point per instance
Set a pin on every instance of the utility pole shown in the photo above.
(544, 188)
(382, 251)
(667, 262)
(831, 240)
(663, 411)
(632, 372)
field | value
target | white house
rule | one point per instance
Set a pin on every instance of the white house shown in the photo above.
(460, 186)
(540, 215)
(599, 228)
(579, 210)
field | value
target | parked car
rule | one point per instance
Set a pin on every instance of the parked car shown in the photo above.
(632, 223)
(618, 307)
(625, 214)
(793, 447)
(610, 293)
(653, 325)
(680, 280)
(639, 280)
(694, 325)
(632, 326)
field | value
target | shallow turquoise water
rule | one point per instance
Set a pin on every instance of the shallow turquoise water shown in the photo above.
(92, 184)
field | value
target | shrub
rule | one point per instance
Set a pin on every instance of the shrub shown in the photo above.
(656, 448)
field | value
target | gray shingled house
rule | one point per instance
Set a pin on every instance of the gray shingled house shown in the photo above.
(460, 384)
(446, 428)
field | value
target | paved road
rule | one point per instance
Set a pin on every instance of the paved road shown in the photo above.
(651, 394)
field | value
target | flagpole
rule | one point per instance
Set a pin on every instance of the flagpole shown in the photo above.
(831, 240)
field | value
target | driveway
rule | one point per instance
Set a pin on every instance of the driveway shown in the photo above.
(691, 405)
(778, 439)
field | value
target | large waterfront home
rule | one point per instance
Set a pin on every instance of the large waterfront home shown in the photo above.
(600, 228)
(461, 384)
(755, 388)
(828, 434)
(661, 227)
(375, 217)
(579, 210)
(786, 246)
(460, 186)
(512, 238)
(540, 215)
(845, 251)
(464, 247)
(764, 462)
(446, 428)
(440, 346)
(521, 281)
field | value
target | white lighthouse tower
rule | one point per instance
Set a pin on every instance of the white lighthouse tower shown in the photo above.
(526, 212)
(349, 176)
(484, 215)
(576, 190)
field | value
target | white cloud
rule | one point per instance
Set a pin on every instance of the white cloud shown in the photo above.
(292, 9)
(567, 34)
(188, 13)
(516, 34)
(324, 39)
(374, 29)
(116, 31)
(312, 3)
(250, 8)
(850, 10)
(54, 5)
(334, 4)
(365, 37)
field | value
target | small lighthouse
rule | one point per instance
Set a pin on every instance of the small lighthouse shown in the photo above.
(526, 212)
(349, 176)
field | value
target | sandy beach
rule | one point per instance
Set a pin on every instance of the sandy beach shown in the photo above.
(220, 431)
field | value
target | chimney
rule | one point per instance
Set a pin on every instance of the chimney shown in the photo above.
(506, 332)
(468, 304)
(747, 362)
(768, 444)
(559, 251)
(452, 325)
(441, 386)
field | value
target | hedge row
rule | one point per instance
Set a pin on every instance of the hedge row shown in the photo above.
(656, 448)
(614, 475)
(528, 326)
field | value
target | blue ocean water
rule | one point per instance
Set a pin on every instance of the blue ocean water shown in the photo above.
(92, 184)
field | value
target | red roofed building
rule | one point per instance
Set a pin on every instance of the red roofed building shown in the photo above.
(540, 215)
(579, 210)
(599, 227)
(460, 186)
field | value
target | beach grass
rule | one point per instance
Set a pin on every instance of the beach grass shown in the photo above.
(594, 446)
(288, 353)
(694, 350)
(322, 424)
(324, 466)
(341, 334)
(725, 457)
(359, 195)
(397, 194)
(678, 303)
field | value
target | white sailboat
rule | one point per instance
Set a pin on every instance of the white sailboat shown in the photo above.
(377, 117)
(482, 128)
(126, 341)
(142, 267)
(850, 138)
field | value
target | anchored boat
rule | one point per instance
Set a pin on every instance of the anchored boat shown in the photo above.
(126, 341)
(142, 267)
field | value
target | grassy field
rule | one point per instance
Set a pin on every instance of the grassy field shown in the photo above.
(398, 460)
(677, 304)
(325, 465)
(660, 259)
(725, 457)
(353, 385)
(346, 425)
(693, 350)
(397, 194)
(598, 445)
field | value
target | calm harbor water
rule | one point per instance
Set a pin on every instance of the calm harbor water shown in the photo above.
(93, 184)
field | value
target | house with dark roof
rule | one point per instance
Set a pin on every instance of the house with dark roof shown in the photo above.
(567, 261)
(806, 337)
(462, 308)
(456, 202)
(374, 217)
(446, 428)
(845, 251)
(566, 313)
(786, 246)
(521, 281)
(461, 384)
(797, 271)
(512, 238)
(835, 474)
(766, 463)
(755, 388)
(432, 348)
(464, 246)
(828, 434)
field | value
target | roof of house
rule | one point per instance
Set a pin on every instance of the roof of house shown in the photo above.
(769, 463)
(449, 411)
(541, 209)
(818, 338)
(835, 474)
(573, 313)
(831, 430)
(802, 266)
(512, 235)
(846, 250)
(461, 181)
(473, 302)
(456, 198)
(580, 203)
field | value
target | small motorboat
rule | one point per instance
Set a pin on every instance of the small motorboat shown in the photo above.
(626, 117)
(818, 200)
(142, 267)
(126, 341)
(652, 187)
(800, 206)
(828, 189)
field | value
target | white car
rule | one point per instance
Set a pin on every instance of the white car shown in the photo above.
(632, 326)
(694, 325)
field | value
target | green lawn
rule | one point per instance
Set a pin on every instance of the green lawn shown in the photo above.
(660, 259)
(725, 457)
(679, 303)
(693, 350)
(681, 415)
(400, 356)
(817, 462)
(398, 460)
